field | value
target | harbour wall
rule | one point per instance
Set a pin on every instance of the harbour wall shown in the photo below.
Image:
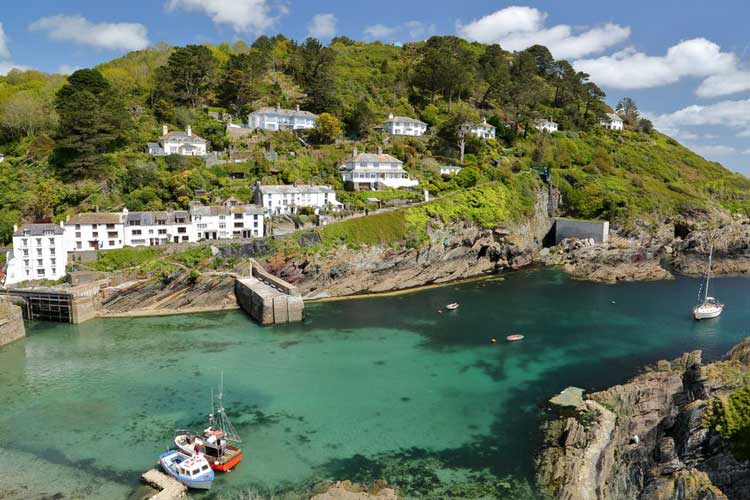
(581, 229)
(11, 321)
(268, 304)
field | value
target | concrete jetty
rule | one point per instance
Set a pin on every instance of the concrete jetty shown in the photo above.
(268, 299)
(11, 321)
(169, 488)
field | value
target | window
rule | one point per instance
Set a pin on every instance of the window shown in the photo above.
(78, 234)
(39, 252)
(136, 232)
(26, 263)
(184, 238)
(78, 227)
(25, 242)
(52, 241)
(202, 226)
(162, 231)
(182, 230)
(111, 243)
(238, 224)
(222, 225)
(134, 223)
(40, 272)
(237, 216)
(78, 245)
(112, 234)
(110, 226)
(38, 241)
(25, 252)
(53, 261)
(39, 262)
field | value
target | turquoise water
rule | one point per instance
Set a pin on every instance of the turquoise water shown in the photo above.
(364, 389)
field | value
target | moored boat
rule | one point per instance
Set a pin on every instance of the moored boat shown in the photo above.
(515, 337)
(192, 471)
(452, 307)
(709, 306)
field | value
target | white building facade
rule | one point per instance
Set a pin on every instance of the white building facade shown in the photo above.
(282, 200)
(38, 254)
(612, 122)
(95, 231)
(482, 130)
(403, 125)
(375, 171)
(546, 125)
(178, 143)
(277, 118)
(449, 169)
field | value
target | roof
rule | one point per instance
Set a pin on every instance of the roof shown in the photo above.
(478, 125)
(270, 110)
(153, 145)
(39, 230)
(613, 117)
(148, 218)
(294, 189)
(97, 218)
(404, 119)
(210, 211)
(544, 120)
(373, 158)
(182, 137)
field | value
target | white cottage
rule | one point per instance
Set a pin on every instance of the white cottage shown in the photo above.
(280, 200)
(269, 118)
(178, 143)
(545, 125)
(38, 254)
(612, 122)
(375, 171)
(449, 169)
(403, 125)
(158, 228)
(482, 130)
(95, 231)
(232, 219)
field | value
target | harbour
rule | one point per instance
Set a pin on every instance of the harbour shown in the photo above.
(355, 391)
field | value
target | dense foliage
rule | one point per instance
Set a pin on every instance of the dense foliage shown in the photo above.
(76, 143)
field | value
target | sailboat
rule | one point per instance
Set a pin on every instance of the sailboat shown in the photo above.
(219, 441)
(709, 307)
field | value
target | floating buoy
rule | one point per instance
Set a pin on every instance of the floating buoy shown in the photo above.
(492, 341)
(614, 302)
(440, 311)
(514, 337)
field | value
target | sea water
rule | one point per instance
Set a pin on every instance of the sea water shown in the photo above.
(394, 388)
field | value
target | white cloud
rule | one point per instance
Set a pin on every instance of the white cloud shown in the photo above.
(4, 51)
(113, 36)
(629, 69)
(408, 31)
(322, 26)
(67, 69)
(516, 28)
(724, 84)
(6, 66)
(255, 16)
(744, 134)
(713, 150)
(733, 114)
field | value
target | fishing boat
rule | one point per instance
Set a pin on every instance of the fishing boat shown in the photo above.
(708, 307)
(218, 442)
(192, 471)
(515, 337)
(452, 306)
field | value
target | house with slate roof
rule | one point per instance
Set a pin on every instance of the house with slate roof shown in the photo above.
(178, 143)
(282, 200)
(375, 171)
(277, 118)
(38, 254)
(403, 125)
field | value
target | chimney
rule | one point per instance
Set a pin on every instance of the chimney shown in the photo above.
(62, 224)
(297, 107)
(164, 129)
(125, 211)
(15, 228)
(354, 153)
(390, 116)
(67, 218)
(189, 130)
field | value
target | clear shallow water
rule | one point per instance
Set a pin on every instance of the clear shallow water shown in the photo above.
(363, 389)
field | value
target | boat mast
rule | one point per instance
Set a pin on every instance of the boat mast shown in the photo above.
(708, 274)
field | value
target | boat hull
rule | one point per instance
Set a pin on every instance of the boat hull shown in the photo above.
(198, 482)
(225, 465)
(699, 315)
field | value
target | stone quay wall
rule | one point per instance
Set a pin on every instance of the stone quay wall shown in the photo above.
(11, 322)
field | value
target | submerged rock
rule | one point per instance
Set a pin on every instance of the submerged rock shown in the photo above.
(569, 398)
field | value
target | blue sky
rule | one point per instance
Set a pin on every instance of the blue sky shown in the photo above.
(684, 62)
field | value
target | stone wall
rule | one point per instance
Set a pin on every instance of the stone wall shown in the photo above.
(11, 322)
(581, 229)
(265, 304)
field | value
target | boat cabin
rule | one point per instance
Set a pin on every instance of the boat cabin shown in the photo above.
(191, 467)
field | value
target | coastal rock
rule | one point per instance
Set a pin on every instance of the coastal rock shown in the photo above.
(659, 445)
(346, 490)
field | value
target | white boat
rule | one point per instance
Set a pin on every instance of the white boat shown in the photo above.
(192, 471)
(452, 307)
(709, 307)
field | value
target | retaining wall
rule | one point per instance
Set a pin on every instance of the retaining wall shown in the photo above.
(581, 229)
(11, 322)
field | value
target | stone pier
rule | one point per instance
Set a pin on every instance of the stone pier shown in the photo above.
(268, 299)
(169, 488)
(11, 321)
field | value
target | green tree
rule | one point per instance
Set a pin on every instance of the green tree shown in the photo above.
(628, 111)
(446, 67)
(187, 77)
(495, 69)
(93, 121)
(315, 75)
(362, 118)
(241, 81)
(327, 128)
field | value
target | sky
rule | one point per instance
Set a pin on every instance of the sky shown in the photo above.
(686, 63)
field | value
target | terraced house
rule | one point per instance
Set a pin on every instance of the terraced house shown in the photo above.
(282, 200)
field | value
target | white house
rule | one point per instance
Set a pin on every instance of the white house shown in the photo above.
(449, 169)
(232, 219)
(178, 143)
(2, 158)
(545, 125)
(38, 254)
(269, 118)
(95, 231)
(482, 130)
(612, 122)
(403, 125)
(375, 171)
(158, 228)
(278, 200)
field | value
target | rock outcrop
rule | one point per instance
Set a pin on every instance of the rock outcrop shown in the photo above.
(11, 321)
(649, 438)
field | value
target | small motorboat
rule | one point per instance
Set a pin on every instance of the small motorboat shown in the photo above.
(514, 337)
(192, 471)
(212, 444)
(452, 307)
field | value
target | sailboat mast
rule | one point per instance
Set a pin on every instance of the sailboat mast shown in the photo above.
(708, 274)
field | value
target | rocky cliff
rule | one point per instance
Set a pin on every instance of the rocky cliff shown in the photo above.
(651, 438)
(454, 251)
